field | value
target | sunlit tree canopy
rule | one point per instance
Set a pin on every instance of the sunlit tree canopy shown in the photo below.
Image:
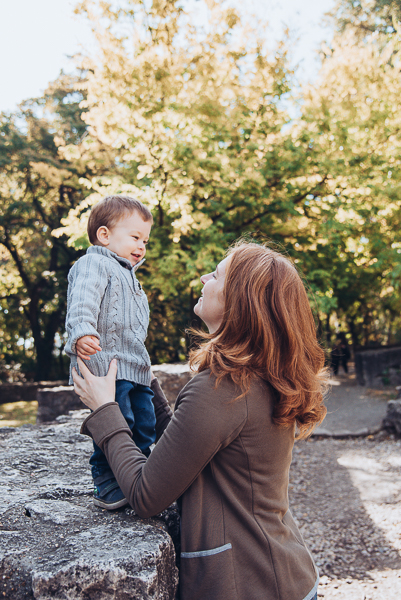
(208, 126)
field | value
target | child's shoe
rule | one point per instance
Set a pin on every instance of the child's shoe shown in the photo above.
(109, 495)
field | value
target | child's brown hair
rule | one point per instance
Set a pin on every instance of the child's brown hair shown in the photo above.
(110, 210)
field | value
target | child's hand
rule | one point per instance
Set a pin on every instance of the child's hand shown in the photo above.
(86, 346)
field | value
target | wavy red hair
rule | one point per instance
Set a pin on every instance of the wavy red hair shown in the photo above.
(268, 331)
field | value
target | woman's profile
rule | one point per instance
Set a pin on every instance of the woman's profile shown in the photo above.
(225, 452)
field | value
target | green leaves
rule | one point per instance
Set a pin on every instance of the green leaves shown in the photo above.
(193, 123)
(38, 187)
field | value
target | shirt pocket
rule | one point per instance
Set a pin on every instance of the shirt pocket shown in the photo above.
(208, 574)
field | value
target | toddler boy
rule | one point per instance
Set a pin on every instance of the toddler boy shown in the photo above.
(108, 317)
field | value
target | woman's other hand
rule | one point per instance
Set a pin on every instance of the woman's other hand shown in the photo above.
(95, 391)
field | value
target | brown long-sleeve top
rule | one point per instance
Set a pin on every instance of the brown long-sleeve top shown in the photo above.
(228, 463)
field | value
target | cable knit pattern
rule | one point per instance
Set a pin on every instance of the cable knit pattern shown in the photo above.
(106, 300)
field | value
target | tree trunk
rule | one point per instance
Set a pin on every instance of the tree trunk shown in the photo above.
(390, 327)
(328, 330)
(354, 337)
(61, 366)
(319, 328)
(44, 342)
(366, 323)
(44, 361)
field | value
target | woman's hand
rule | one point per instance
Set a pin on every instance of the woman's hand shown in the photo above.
(95, 391)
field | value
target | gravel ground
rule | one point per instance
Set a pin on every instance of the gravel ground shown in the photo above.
(346, 497)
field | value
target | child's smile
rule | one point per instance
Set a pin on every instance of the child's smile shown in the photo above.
(127, 238)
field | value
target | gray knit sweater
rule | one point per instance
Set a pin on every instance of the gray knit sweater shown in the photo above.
(106, 300)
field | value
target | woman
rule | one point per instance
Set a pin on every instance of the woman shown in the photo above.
(225, 453)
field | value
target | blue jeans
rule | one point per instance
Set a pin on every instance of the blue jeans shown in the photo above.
(135, 402)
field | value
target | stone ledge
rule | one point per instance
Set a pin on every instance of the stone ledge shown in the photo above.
(378, 368)
(56, 401)
(172, 379)
(345, 433)
(392, 420)
(26, 392)
(59, 400)
(55, 544)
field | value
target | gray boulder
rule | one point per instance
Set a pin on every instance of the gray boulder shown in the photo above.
(54, 544)
(25, 392)
(172, 378)
(378, 368)
(56, 401)
(392, 420)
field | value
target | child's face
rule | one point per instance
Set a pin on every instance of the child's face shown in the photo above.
(127, 238)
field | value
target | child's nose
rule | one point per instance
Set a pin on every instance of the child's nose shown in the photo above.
(205, 278)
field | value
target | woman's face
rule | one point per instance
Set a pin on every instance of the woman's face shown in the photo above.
(210, 306)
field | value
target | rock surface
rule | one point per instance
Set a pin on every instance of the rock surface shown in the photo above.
(172, 379)
(392, 420)
(54, 544)
(56, 401)
(378, 368)
(352, 410)
(346, 497)
(26, 392)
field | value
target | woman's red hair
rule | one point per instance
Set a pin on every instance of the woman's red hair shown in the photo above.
(268, 330)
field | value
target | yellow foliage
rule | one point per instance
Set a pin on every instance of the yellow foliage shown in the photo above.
(75, 224)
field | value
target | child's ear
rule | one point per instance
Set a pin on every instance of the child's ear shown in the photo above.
(102, 235)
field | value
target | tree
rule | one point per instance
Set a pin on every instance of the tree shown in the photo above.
(193, 122)
(38, 186)
(199, 123)
(352, 116)
(365, 17)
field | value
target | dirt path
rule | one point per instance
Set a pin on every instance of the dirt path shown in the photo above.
(346, 497)
(353, 409)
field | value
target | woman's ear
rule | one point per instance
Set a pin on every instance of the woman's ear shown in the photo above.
(102, 235)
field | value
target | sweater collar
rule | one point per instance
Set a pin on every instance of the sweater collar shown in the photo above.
(124, 262)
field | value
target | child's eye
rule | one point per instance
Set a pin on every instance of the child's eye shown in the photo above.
(214, 275)
(135, 237)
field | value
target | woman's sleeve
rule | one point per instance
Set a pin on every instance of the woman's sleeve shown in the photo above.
(205, 421)
(163, 411)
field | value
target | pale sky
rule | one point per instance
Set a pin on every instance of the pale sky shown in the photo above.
(36, 38)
